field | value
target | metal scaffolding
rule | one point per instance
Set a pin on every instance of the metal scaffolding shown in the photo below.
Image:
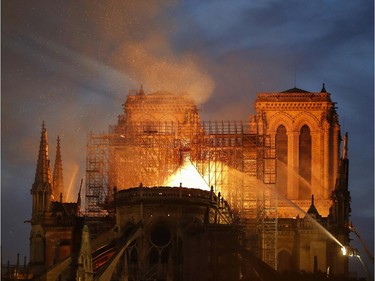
(268, 202)
(97, 160)
(238, 164)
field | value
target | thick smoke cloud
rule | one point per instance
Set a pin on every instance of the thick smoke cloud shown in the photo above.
(143, 49)
(175, 75)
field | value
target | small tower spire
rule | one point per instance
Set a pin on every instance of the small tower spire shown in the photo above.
(42, 187)
(141, 92)
(312, 211)
(79, 199)
(342, 178)
(345, 148)
(43, 169)
(58, 182)
(340, 197)
(323, 90)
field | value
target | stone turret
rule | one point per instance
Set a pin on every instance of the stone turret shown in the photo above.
(340, 209)
(340, 212)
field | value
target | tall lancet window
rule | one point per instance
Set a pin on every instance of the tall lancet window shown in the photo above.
(282, 160)
(304, 163)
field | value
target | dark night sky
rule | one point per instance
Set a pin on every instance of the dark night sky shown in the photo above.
(71, 64)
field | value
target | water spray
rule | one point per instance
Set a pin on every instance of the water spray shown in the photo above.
(349, 251)
(353, 252)
(310, 218)
(317, 224)
(345, 250)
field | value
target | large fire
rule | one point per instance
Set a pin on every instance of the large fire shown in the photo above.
(187, 176)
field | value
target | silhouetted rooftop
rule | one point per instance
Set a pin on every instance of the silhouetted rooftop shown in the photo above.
(312, 210)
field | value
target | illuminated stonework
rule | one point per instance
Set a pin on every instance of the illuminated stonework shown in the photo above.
(149, 216)
(159, 108)
(266, 169)
(296, 109)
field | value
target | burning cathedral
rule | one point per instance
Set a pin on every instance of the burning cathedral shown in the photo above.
(170, 197)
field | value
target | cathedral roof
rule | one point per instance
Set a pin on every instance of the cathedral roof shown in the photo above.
(295, 90)
(295, 95)
(66, 209)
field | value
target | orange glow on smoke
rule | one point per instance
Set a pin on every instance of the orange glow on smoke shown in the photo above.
(188, 176)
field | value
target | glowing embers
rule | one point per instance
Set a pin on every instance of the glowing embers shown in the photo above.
(187, 176)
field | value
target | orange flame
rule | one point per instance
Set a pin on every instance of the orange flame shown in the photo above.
(187, 176)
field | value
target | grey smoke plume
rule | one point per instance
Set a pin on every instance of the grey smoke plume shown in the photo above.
(143, 51)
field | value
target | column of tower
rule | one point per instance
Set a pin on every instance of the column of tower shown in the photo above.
(44, 191)
(41, 199)
(338, 223)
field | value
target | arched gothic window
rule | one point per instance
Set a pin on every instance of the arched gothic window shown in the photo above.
(304, 163)
(282, 160)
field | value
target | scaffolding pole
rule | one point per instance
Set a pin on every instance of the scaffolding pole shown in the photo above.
(267, 201)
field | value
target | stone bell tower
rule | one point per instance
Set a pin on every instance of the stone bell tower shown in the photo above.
(304, 129)
(42, 195)
(54, 223)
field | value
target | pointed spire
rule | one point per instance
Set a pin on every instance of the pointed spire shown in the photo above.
(58, 182)
(323, 90)
(342, 179)
(141, 92)
(79, 198)
(340, 197)
(42, 186)
(312, 210)
(345, 148)
(43, 169)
